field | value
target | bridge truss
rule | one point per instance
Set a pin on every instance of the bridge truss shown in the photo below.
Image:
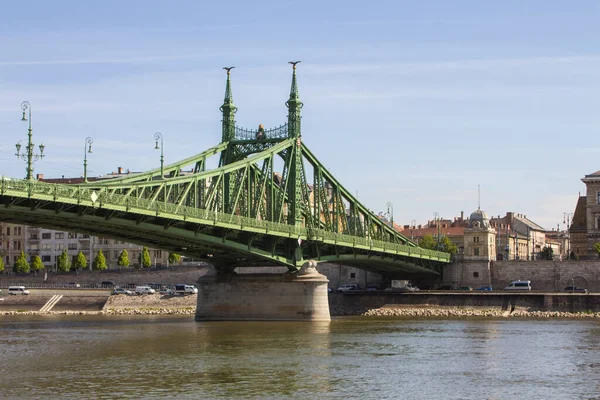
(269, 202)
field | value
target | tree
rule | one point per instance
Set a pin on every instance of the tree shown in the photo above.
(79, 262)
(36, 264)
(123, 259)
(174, 258)
(21, 265)
(597, 248)
(145, 258)
(428, 242)
(447, 245)
(547, 253)
(1, 263)
(62, 262)
(99, 262)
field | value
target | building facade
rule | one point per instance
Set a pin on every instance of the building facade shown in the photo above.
(585, 227)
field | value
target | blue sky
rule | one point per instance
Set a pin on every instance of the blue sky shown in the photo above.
(415, 103)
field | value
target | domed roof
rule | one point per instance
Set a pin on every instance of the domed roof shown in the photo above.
(479, 219)
(478, 215)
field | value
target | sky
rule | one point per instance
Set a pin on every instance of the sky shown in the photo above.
(413, 103)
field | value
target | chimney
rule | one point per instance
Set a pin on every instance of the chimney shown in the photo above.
(120, 170)
(39, 176)
(462, 215)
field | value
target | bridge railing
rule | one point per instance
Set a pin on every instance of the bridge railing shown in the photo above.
(87, 196)
(280, 132)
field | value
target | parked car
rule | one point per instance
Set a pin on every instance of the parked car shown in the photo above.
(73, 284)
(144, 290)
(519, 285)
(107, 284)
(485, 288)
(445, 287)
(15, 290)
(185, 289)
(465, 288)
(167, 291)
(575, 289)
(119, 290)
(349, 287)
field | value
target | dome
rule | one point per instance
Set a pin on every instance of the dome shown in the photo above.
(479, 219)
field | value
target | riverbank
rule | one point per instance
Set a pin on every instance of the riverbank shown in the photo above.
(454, 312)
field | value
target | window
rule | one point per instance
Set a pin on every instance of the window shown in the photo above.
(598, 227)
(59, 235)
(352, 275)
(34, 236)
(476, 239)
(72, 235)
(475, 274)
(34, 246)
(476, 251)
(72, 246)
(8, 230)
(60, 246)
(17, 230)
(46, 247)
(46, 259)
(46, 235)
(17, 245)
(598, 197)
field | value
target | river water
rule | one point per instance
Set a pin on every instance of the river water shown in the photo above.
(355, 357)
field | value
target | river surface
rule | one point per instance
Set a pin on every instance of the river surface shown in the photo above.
(369, 358)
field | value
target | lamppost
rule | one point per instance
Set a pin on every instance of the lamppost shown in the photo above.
(87, 146)
(436, 215)
(158, 136)
(390, 211)
(30, 157)
(567, 219)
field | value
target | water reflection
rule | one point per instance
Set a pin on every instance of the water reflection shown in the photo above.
(107, 357)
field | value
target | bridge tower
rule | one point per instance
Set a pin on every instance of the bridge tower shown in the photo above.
(295, 190)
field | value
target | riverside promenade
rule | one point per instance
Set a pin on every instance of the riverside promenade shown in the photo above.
(450, 305)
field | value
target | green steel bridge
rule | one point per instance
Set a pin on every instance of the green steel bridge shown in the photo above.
(269, 202)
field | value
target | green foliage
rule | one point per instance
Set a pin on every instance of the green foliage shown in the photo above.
(1, 263)
(428, 242)
(174, 258)
(63, 262)
(99, 262)
(597, 248)
(21, 265)
(447, 246)
(123, 259)
(145, 258)
(547, 253)
(36, 264)
(80, 261)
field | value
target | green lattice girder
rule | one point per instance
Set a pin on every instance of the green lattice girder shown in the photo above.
(137, 198)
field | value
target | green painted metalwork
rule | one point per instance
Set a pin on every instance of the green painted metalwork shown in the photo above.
(241, 213)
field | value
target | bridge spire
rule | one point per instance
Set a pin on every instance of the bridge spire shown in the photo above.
(294, 105)
(296, 172)
(228, 109)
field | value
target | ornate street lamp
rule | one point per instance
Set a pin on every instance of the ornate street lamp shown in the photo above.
(29, 156)
(390, 211)
(158, 136)
(87, 148)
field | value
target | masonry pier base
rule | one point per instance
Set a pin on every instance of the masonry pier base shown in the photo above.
(264, 297)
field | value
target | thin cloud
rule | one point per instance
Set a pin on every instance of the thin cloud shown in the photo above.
(467, 64)
(134, 60)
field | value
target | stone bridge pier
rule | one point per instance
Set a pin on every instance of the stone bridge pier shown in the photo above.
(264, 297)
